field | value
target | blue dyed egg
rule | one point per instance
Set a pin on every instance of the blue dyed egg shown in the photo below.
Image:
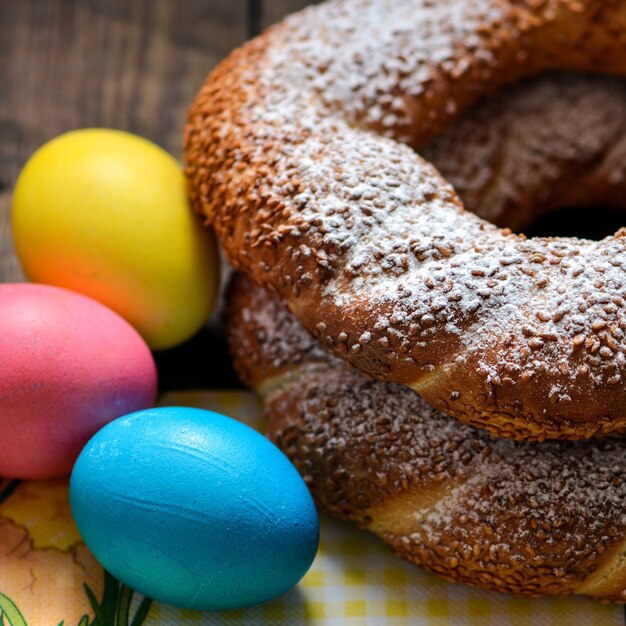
(194, 509)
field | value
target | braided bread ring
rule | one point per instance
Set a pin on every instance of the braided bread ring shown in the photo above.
(527, 518)
(298, 152)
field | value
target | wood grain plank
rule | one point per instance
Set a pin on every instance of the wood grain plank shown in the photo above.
(255, 8)
(274, 10)
(68, 64)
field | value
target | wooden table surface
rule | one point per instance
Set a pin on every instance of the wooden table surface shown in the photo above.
(132, 65)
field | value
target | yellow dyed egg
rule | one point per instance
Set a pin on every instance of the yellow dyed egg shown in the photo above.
(106, 213)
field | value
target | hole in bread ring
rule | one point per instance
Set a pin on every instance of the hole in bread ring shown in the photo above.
(525, 156)
(298, 152)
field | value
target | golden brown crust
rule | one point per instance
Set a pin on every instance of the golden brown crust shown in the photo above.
(294, 154)
(528, 518)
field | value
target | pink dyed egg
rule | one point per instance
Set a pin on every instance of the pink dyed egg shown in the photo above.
(68, 366)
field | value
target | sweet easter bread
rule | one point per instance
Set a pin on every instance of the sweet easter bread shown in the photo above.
(300, 152)
(528, 518)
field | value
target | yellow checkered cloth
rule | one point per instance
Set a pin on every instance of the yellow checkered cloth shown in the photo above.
(355, 578)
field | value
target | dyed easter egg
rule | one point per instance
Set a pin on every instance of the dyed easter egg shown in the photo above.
(193, 509)
(106, 213)
(68, 365)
